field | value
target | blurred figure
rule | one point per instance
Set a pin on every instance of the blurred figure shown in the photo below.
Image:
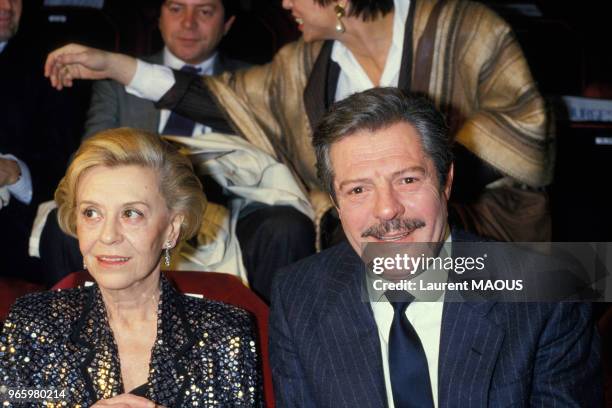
(269, 236)
(131, 339)
(459, 53)
(191, 31)
(37, 136)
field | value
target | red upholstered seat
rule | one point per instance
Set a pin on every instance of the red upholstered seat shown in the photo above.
(216, 286)
(10, 290)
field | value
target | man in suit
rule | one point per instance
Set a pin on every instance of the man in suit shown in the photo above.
(269, 236)
(385, 159)
(191, 31)
(38, 132)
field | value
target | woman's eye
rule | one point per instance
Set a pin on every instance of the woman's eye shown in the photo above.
(90, 213)
(356, 190)
(408, 180)
(131, 213)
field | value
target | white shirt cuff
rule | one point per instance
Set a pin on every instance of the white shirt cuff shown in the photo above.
(22, 189)
(150, 81)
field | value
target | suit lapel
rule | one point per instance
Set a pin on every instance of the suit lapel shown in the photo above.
(95, 349)
(469, 348)
(149, 114)
(349, 337)
(221, 64)
(469, 345)
(174, 340)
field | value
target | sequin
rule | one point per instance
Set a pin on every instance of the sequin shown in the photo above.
(204, 354)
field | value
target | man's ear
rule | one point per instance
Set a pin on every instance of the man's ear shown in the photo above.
(228, 24)
(449, 182)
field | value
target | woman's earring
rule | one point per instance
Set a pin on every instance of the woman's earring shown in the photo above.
(339, 15)
(167, 253)
(84, 266)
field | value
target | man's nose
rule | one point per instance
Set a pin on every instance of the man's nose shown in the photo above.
(189, 19)
(6, 5)
(388, 205)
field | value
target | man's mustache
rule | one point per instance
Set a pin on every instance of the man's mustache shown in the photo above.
(400, 225)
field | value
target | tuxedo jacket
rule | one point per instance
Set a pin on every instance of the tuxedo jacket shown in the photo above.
(111, 106)
(325, 347)
(204, 353)
(41, 127)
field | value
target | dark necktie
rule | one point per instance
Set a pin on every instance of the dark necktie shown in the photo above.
(177, 124)
(407, 362)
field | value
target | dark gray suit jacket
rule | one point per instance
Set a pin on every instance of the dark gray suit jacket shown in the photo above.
(111, 106)
(325, 350)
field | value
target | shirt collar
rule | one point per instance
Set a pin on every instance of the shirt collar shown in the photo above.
(400, 9)
(429, 276)
(3, 46)
(205, 67)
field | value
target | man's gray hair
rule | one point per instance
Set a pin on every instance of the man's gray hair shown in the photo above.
(376, 109)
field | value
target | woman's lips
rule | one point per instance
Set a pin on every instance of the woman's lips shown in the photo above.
(112, 260)
(300, 23)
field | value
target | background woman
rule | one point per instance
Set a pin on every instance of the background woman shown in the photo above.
(130, 198)
(459, 53)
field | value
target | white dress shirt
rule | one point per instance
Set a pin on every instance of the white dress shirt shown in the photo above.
(148, 78)
(425, 317)
(22, 189)
(353, 78)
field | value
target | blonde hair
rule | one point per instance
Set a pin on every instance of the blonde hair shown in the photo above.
(178, 184)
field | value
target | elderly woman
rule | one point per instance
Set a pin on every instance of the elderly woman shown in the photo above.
(130, 339)
(459, 53)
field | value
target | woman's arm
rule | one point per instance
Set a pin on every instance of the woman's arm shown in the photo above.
(75, 61)
(182, 92)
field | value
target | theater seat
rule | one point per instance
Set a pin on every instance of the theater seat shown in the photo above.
(216, 286)
(10, 290)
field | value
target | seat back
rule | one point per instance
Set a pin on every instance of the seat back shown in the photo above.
(215, 286)
(10, 290)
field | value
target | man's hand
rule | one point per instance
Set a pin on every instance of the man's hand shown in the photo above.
(126, 401)
(9, 172)
(75, 61)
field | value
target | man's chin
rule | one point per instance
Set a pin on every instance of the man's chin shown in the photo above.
(6, 33)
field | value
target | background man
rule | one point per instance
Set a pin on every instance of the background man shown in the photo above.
(269, 236)
(38, 129)
(385, 159)
(191, 31)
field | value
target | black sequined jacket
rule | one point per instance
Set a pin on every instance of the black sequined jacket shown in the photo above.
(204, 355)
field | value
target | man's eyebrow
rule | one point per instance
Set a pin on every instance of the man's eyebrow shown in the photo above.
(353, 181)
(418, 169)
